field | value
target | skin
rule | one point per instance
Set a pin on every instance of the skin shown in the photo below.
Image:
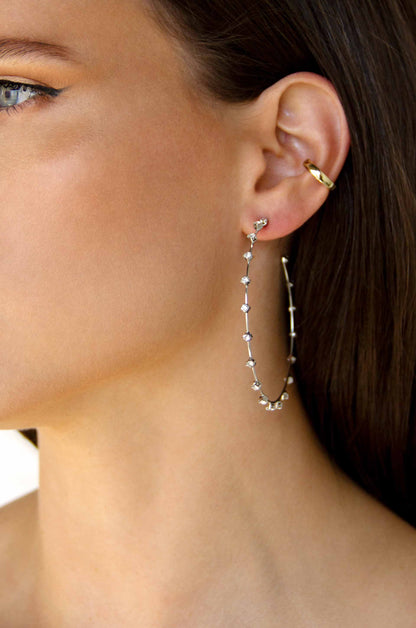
(168, 497)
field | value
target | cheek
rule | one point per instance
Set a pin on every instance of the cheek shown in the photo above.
(108, 256)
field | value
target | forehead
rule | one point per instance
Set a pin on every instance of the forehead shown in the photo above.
(87, 29)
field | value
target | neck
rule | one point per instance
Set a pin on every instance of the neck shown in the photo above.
(172, 515)
(168, 495)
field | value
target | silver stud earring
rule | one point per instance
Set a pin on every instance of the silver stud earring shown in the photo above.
(263, 399)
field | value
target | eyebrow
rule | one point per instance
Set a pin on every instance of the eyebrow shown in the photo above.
(12, 47)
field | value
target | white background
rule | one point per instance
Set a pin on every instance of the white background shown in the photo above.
(19, 466)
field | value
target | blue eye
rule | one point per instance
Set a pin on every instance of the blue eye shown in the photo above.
(13, 95)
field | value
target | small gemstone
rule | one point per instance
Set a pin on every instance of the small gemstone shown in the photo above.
(271, 406)
(290, 380)
(256, 385)
(290, 284)
(284, 260)
(247, 336)
(252, 237)
(259, 224)
(284, 396)
(291, 359)
(292, 334)
(279, 405)
(245, 308)
(292, 308)
(248, 256)
(263, 401)
(245, 280)
(251, 362)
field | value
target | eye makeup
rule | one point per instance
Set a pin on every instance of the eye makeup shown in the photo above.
(15, 95)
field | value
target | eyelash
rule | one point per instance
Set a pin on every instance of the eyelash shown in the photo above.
(42, 93)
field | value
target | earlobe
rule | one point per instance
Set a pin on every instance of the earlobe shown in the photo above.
(298, 118)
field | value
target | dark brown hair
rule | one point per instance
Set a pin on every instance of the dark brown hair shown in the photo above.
(354, 262)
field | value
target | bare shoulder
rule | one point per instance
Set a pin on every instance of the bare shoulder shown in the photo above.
(392, 564)
(15, 520)
(16, 541)
(405, 570)
(374, 577)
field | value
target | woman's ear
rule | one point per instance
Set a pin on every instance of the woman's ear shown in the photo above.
(300, 117)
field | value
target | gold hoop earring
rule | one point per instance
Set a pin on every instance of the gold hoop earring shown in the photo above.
(264, 400)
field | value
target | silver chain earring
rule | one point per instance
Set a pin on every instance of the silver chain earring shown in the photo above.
(276, 404)
(264, 400)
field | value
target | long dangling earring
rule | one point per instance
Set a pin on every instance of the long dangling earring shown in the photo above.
(264, 400)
